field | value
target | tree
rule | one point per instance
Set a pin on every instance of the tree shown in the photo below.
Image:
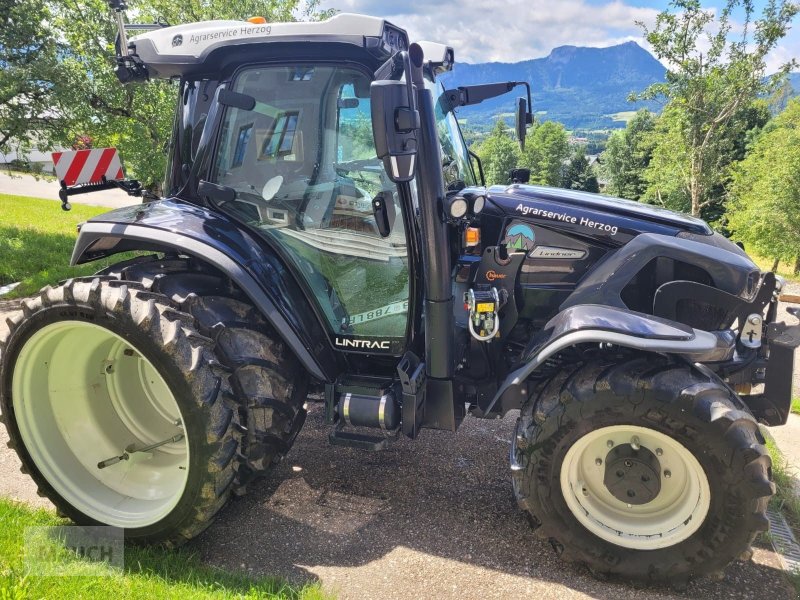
(85, 98)
(628, 153)
(499, 153)
(579, 174)
(764, 205)
(711, 76)
(546, 152)
(29, 68)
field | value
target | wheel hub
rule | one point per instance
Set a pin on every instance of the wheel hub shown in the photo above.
(632, 475)
(665, 510)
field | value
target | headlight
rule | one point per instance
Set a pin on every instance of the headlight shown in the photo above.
(458, 207)
(478, 204)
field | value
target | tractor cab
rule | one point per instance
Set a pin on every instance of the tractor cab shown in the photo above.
(333, 147)
(275, 130)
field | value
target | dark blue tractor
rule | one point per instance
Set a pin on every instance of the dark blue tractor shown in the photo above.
(326, 235)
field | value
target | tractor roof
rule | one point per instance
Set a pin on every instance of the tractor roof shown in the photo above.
(186, 49)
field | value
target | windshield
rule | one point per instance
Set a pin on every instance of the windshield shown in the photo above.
(456, 164)
(305, 174)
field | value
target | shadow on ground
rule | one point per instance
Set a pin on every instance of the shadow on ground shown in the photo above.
(431, 518)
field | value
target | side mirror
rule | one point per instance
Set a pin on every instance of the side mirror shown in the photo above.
(395, 122)
(521, 121)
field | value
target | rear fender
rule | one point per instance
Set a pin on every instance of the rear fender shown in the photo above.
(593, 324)
(174, 226)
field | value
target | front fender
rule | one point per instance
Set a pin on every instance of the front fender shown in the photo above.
(589, 323)
(175, 226)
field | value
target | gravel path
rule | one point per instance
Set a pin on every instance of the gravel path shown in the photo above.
(430, 518)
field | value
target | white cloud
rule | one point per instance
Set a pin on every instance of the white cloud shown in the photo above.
(515, 30)
(509, 30)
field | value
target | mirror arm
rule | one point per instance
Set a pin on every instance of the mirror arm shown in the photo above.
(475, 94)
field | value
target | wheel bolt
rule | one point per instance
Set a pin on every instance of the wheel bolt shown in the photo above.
(635, 442)
(598, 461)
(585, 492)
(610, 443)
(667, 474)
(109, 369)
(659, 452)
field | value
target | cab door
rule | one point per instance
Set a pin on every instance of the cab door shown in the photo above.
(304, 170)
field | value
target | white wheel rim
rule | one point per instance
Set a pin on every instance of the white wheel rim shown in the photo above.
(677, 511)
(83, 394)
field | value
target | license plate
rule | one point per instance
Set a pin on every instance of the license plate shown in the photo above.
(394, 308)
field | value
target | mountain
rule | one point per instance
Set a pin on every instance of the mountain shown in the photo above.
(581, 87)
(794, 81)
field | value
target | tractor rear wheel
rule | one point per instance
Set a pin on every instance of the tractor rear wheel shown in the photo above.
(646, 469)
(267, 383)
(111, 402)
(152, 351)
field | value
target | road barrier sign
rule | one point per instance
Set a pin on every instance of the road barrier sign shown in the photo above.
(87, 166)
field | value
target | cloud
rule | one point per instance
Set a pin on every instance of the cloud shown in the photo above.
(514, 30)
(510, 30)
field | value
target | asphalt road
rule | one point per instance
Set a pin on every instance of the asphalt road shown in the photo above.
(25, 185)
(430, 518)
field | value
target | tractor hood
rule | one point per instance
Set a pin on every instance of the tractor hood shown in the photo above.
(594, 215)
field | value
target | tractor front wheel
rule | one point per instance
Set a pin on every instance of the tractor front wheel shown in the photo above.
(646, 469)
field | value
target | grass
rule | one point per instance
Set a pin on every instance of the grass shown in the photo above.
(623, 116)
(785, 270)
(36, 239)
(148, 572)
(35, 174)
(795, 406)
(785, 498)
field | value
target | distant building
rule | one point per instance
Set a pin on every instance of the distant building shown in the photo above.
(34, 160)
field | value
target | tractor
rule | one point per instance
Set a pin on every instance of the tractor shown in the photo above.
(325, 234)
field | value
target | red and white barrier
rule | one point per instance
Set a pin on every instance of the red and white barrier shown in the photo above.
(87, 166)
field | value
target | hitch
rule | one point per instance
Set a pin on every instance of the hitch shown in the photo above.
(131, 186)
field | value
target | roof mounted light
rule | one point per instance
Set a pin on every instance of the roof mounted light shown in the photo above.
(257, 20)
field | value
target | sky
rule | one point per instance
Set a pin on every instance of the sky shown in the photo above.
(514, 30)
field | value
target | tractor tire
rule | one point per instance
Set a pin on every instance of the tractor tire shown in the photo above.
(268, 386)
(96, 369)
(644, 468)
